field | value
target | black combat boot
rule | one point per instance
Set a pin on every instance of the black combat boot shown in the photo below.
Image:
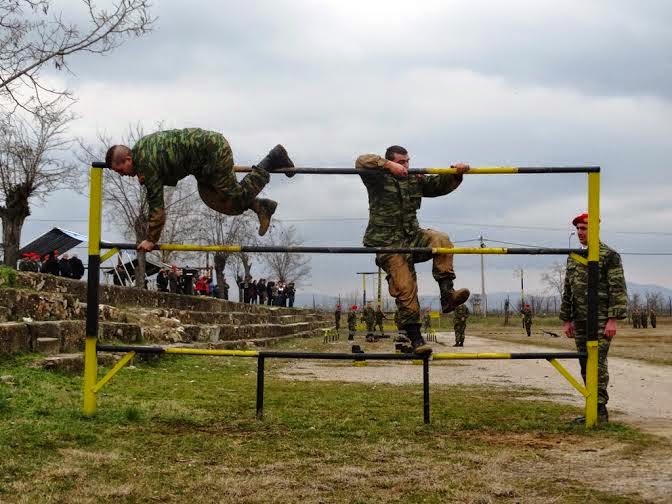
(417, 341)
(451, 298)
(602, 413)
(264, 208)
(456, 344)
(276, 159)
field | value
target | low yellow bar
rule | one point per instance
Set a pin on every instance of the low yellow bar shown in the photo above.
(470, 250)
(578, 258)
(205, 351)
(108, 254)
(573, 381)
(113, 371)
(458, 356)
(200, 248)
(473, 171)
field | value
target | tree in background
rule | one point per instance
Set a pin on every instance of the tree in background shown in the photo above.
(33, 35)
(32, 165)
(285, 266)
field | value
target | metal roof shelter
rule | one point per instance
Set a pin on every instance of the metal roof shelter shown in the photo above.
(56, 239)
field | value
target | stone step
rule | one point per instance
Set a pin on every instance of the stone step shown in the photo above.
(73, 363)
(48, 346)
(40, 305)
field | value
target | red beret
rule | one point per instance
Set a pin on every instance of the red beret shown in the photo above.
(353, 307)
(580, 218)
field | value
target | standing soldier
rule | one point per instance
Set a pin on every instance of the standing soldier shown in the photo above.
(652, 317)
(460, 316)
(427, 322)
(611, 306)
(380, 316)
(369, 318)
(527, 319)
(643, 316)
(506, 311)
(352, 322)
(337, 317)
(165, 157)
(634, 314)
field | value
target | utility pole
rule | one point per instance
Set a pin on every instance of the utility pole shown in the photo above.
(364, 273)
(519, 271)
(484, 299)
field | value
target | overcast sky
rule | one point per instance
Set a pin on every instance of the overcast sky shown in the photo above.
(485, 82)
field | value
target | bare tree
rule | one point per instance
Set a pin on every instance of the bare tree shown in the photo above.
(32, 165)
(554, 279)
(31, 36)
(287, 266)
(654, 300)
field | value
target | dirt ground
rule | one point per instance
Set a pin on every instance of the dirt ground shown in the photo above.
(640, 395)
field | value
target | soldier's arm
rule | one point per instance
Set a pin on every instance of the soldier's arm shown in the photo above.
(618, 297)
(156, 218)
(370, 162)
(439, 185)
(566, 303)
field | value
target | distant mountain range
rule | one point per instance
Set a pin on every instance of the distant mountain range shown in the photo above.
(495, 299)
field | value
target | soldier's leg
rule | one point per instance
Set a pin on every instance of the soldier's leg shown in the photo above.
(442, 267)
(456, 329)
(403, 287)
(603, 345)
(528, 329)
(463, 329)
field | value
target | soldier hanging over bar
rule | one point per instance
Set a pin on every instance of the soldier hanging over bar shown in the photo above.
(394, 199)
(165, 157)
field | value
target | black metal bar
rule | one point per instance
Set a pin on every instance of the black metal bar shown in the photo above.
(132, 348)
(92, 295)
(99, 164)
(362, 250)
(591, 315)
(260, 386)
(425, 390)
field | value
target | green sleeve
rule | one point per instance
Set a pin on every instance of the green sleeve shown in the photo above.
(618, 297)
(566, 304)
(439, 185)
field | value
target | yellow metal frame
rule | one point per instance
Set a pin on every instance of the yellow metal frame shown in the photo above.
(108, 254)
(117, 367)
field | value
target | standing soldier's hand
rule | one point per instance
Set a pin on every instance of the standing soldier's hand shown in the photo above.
(569, 328)
(461, 168)
(398, 170)
(610, 328)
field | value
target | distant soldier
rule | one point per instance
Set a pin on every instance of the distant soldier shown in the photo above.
(526, 312)
(337, 317)
(506, 311)
(369, 318)
(352, 322)
(652, 317)
(460, 316)
(29, 262)
(634, 315)
(643, 318)
(380, 316)
(427, 322)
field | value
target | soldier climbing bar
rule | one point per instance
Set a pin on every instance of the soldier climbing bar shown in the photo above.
(476, 170)
(350, 250)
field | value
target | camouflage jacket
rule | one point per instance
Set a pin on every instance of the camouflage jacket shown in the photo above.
(460, 315)
(394, 202)
(337, 315)
(368, 315)
(611, 291)
(352, 319)
(527, 315)
(380, 316)
(165, 157)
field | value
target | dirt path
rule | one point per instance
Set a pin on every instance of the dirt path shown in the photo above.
(640, 393)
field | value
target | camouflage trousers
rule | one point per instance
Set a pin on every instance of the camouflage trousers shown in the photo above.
(528, 328)
(459, 332)
(602, 363)
(379, 325)
(370, 325)
(217, 183)
(401, 277)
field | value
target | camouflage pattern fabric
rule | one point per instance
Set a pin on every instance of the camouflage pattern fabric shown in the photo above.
(369, 318)
(165, 157)
(427, 322)
(527, 320)
(352, 321)
(612, 303)
(652, 317)
(393, 222)
(337, 319)
(643, 320)
(380, 316)
(460, 316)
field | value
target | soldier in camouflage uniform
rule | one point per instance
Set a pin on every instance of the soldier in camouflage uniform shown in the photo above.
(612, 306)
(526, 312)
(394, 199)
(427, 322)
(165, 157)
(652, 317)
(643, 319)
(460, 316)
(352, 322)
(634, 315)
(369, 318)
(337, 317)
(380, 316)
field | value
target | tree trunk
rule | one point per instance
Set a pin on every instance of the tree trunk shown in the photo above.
(13, 215)
(220, 264)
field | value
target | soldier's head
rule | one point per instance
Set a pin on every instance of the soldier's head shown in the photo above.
(397, 154)
(120, 159)
(581, 224)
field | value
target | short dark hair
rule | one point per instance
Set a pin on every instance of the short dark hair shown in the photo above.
(394, 149)
(115, 152)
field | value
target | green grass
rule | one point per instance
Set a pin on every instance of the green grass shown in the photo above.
(184, 429)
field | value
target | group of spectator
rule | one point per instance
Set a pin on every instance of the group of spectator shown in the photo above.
(53, 264)
(267, 292)
(187, 281)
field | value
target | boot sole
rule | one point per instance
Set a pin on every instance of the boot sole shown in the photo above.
(271, 210)
(464, 296)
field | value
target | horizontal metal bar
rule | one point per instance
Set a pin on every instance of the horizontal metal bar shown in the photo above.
(476, 170)
(350, 250)
(335, 355)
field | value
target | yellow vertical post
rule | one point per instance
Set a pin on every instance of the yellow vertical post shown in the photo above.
(593, 279)
(90, 356)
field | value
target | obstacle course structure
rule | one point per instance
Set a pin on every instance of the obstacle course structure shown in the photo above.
(92, 385)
